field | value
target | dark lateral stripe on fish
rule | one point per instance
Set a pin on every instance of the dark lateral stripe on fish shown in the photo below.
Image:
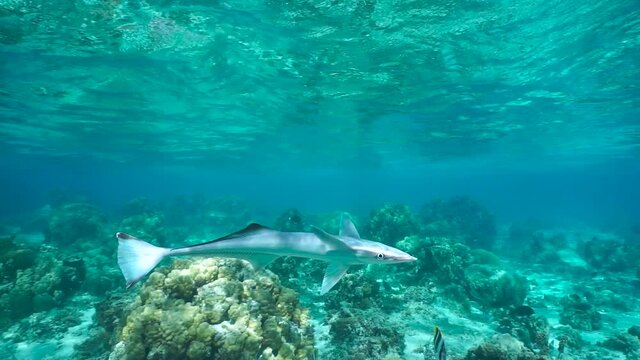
(438, 344)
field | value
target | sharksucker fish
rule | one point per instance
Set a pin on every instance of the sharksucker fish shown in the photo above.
(260, 246)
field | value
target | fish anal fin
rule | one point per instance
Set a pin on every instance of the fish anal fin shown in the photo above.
(335, 272)
(347, 228)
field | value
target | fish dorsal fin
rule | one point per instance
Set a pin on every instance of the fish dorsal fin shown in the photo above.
(332, 240)
(335, 272)
(251, 228)
(347, 228)
(259, 261)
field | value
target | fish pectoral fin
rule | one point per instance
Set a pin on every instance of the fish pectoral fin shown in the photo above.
(332, 240)
(335, 272)
(259, 261)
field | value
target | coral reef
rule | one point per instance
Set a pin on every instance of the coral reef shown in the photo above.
(36, 279)
(578, 313)
(568, 337)
(623, 342)
(532, 330)
(222, 309)
(365, 335)
(540, 247)
(460, 218)
(14, 258)
(361, 290)
(478, 273)
(74, 222)
(503, 347)
(609, 254)
(214, 309)
(391, 223)
(110, 316)
(439, 258)
(495, 287)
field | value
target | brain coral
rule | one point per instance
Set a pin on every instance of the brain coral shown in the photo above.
(215, 309)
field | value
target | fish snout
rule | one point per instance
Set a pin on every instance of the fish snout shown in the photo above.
(404, 257)
(409, 258)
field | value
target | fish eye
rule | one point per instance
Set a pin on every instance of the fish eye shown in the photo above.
(380, 256)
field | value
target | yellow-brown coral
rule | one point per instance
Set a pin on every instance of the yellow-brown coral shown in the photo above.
(215, 309)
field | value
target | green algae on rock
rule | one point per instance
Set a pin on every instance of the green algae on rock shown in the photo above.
(214, 309)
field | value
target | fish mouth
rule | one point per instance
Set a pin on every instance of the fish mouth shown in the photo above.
(406, 258)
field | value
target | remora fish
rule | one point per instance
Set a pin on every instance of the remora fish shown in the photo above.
(438, 344)
(260, 246)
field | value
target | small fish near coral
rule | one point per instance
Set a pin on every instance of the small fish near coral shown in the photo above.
(438, 344)
(260, 246)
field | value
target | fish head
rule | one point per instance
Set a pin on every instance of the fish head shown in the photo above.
(372, 252)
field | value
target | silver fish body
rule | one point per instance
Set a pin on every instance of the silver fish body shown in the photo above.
(260, 246)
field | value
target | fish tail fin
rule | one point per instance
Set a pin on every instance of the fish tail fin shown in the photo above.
(137, 258)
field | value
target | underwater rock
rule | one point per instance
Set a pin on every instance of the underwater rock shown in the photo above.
(532, 330)
(635, 331)
(568, 337)
(623, 342)
(365, 335)
(456, 265)
(579, 314)
(214, 309)
(438, 258)
(46, 283)
(460, 218)
(609, 254)
(503, 347)
(391, 223)
(544, 248)
(74, 222)
(360, 290)
(73, 274)
(14, 257)
(304, 275)
(495, 287)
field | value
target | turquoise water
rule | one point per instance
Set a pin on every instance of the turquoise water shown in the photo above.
(496, 141)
